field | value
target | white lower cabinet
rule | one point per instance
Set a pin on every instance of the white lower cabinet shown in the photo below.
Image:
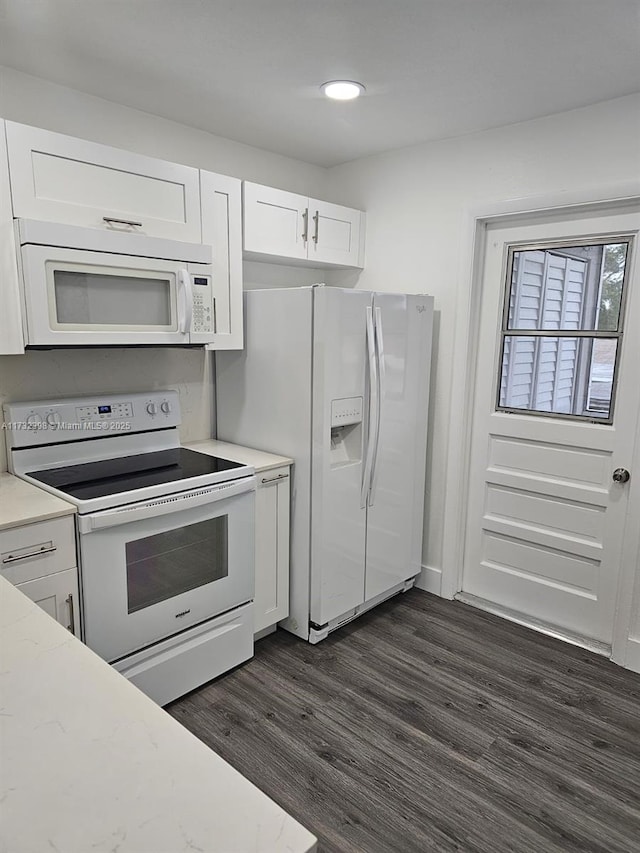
(57, 595)
(271, 603)
(40, 560)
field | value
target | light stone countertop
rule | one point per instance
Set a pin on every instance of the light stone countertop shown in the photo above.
(21, 503)
(89, 763)
(259, 459)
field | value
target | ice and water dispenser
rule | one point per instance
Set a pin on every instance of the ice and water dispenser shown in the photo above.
(346, 431)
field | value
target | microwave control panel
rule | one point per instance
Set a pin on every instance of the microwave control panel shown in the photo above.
(204, 304)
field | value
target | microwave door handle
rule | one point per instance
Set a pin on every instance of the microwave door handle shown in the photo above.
(185, 303)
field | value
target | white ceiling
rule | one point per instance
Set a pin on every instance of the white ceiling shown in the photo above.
(249, 70)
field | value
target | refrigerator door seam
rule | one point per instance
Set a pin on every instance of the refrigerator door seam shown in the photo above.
(373, 410)
(379, 342)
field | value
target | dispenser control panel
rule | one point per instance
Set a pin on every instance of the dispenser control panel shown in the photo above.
(347, 410)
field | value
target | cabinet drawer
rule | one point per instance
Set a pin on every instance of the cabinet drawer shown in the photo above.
(58, 178)
(39, 549)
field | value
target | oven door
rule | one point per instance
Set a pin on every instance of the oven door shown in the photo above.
(82, 298)
(152, 569)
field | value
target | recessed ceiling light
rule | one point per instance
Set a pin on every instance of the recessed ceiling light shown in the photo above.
(342, 90)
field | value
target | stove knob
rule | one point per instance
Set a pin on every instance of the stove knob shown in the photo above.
(34, 421)
(166, 407)
(54, 419)
(152, 408)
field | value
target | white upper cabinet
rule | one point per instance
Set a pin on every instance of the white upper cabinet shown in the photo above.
(222, 229)
(58, 178)
(286, 226)
(11, 338)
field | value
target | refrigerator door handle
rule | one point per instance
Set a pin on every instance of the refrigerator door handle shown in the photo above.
(372, 425)
(379, 340)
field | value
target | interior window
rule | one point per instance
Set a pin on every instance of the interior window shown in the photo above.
(561, 329)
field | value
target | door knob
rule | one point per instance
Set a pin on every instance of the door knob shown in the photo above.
(621, 475)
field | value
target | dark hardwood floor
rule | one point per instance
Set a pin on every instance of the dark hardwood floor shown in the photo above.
(427, 725)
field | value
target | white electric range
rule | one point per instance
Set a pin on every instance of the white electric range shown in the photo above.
(165, 534)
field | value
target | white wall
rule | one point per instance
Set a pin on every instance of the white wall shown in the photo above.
(31, 100)
(417, 201)
(35, 375)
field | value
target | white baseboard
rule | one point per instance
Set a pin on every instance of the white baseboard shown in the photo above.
(430, 580)
(632, 659)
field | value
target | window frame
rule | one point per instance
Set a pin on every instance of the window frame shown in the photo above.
(592, 334)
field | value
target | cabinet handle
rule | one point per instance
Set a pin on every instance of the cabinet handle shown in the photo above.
(13, 558)
(305, 231)
(121, 221)
(316, 219)
(72, 620)
(274, 479)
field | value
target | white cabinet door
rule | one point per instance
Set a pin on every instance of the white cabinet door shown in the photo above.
(334, 234)
(222, 229)
(11, 337)
(293, 227)
(271, 603)
(57, 595)
(275, 222)
(58, 178)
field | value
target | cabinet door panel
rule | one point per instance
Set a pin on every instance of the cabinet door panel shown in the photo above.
(11, 337)
(222, 229)
(271, 602)
(59, 178)
(274, 222)
(334, 235)
(57, 595)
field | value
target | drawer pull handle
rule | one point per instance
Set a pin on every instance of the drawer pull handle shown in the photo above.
(13, 558)
(72, 619)
(274, 479)
(121, 221)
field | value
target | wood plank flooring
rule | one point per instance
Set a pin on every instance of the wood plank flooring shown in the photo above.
(427, 725)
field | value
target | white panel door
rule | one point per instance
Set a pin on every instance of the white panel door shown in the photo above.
(339, 517)
(546, 521)
(58, 178)
(275, 221)
(394, 521)
(334, 234)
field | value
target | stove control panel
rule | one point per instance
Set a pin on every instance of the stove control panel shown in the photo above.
(79, 418)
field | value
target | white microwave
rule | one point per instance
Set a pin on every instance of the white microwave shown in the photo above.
(84, 287)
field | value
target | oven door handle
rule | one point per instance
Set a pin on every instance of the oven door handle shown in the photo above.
(165, 505)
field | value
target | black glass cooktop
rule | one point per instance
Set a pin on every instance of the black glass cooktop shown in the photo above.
(124, 473)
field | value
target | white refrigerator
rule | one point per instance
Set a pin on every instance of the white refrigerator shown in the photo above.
(339, 381)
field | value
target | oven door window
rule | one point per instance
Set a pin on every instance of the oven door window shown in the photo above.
(119, 299)
(167, 564)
